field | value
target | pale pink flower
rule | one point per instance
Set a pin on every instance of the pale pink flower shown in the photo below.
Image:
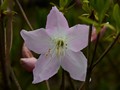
(58, 45)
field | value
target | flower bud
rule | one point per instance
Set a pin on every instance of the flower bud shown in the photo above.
(28, 63)
(26, 53)
(94, 33)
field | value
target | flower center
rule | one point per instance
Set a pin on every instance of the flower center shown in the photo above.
(60, 47)
(60, 43)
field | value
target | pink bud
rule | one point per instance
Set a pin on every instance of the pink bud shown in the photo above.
(94, 33)
(103, 31)
(26, 53)
(28, 63)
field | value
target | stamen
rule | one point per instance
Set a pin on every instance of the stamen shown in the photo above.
(60, 43)
(60, 46)
(58, 49)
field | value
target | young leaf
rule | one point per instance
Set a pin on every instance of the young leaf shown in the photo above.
(4, 5)
(100, 6)
(63, 3)
(88, 21)
(116, 15)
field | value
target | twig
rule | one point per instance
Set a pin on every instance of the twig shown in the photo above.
(82, 85)
(70, 81)
(48, 86)
(89, 38)
(89, 43)
(4, 64)
(116, 70)
(9, 28)
(24, 15)
(106, 51)
(88, 57)
(15, 79)
(94, 52)
(89, 69)
(62, 87)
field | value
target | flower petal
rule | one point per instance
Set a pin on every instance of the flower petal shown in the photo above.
(78, 37)
(76, 64)
(56, 22)
(37, 40)
(45, 67)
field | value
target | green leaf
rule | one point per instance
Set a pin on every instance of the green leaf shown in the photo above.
(116, 12)
(88, 21)
(100, 6)
(53, 4)
(4, 5)
(116, 15)
(109, 26)
(63, 3)
(85, 1)
(86, 7)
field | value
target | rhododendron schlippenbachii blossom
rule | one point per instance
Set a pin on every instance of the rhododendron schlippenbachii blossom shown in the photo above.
(58, 45)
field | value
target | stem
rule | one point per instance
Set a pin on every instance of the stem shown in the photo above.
(70, 81)
(94, 52)
(116, 70)
(88, 55)
(15, 79)
(82, 85)
(8, 36)
(106, 51)
(88, 75)
(9, 27)
(89, 69)
(62, 87)
(48, 86)
(4, 64)
(89, 43)
(8, 43)
(24, 15)
(89, 38)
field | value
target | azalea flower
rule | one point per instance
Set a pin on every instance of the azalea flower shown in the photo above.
(58, 45)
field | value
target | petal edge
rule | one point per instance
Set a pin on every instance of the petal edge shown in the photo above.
(36, 40)
(78, 37)
(45, 68)
(76, 64)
